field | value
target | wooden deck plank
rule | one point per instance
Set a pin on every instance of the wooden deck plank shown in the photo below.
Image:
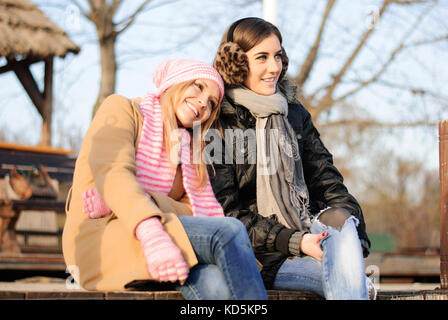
(168, 295)
(437, 294)
(292, 295)
(12, 295)
(129, 295)
(64, 295)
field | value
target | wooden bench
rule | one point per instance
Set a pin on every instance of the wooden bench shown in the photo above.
(436, 294)
(59, 164)
(10, 211)
(135, 295)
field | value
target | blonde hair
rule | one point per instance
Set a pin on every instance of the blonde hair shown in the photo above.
(168, 101)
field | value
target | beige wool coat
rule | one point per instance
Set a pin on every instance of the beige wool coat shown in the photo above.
(104, 254)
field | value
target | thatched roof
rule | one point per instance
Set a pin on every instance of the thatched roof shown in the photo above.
(26, 31)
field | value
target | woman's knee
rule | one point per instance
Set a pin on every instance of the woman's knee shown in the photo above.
(234, 225)
(334, 217)
(231, 228)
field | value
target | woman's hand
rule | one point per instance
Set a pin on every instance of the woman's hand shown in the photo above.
(94, 205)
(163, 258)
(310, 245)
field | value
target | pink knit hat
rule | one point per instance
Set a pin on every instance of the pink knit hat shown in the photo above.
(176, 71)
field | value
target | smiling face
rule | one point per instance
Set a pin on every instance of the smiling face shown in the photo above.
(265, 66)
(197, 102)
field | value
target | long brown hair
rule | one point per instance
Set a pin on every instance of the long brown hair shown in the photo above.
(168, 100)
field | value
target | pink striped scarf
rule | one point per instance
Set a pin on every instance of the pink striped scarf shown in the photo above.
(155, 173)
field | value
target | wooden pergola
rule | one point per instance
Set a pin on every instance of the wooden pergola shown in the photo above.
(27, 36)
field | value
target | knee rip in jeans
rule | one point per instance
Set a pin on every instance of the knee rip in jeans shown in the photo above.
(336, 218)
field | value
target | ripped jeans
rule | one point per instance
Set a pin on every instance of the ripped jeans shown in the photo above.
(340, 275)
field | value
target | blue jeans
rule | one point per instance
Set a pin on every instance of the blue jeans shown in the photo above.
(227, 268)
(340, 275)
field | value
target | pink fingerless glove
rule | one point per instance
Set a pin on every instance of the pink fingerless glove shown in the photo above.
(163, 258)
(94, 205)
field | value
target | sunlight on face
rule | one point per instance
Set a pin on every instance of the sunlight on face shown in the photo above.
(265, 66)
(197, 102)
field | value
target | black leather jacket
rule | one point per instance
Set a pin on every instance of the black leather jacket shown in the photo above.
(235, 187)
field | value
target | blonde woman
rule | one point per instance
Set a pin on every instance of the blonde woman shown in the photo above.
(140, 209)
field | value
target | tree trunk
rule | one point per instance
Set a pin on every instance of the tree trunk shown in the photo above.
(108, 70)
(48, 103)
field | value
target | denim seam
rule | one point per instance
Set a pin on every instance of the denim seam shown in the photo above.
(200, 237)
(223, 266)
(225, 272)
(325, 277)
(194, 291)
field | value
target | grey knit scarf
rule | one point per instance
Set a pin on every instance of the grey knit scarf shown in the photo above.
(281, 188)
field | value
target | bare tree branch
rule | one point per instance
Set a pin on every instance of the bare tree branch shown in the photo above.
(93, 13)
(375, 123)
(96, 4)
(130, 20)
(401, 46)
(114, 6)
(412, 90)
(134, 55)
(310, 59)
(428, 41)
(327, 101)
(409, 2)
